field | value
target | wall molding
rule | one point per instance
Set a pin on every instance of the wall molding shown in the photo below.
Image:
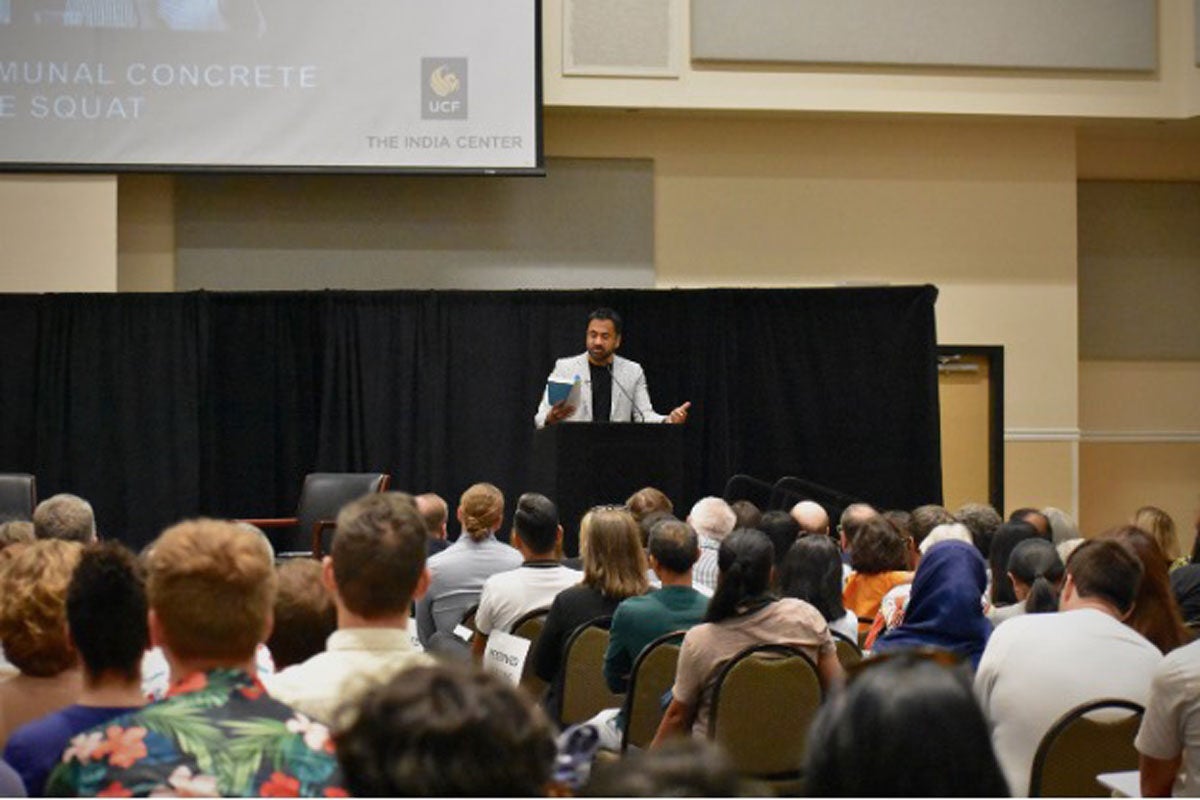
(1041, 435)
(1142, 437)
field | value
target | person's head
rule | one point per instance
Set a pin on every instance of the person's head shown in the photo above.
(535, 525)
(712, 517)
(33, 608)
(1066, 548)
(446, 730)
(305, 614)
(916, 723)
(946, 532)
(1008, 536)
(648, 500)
(1156, 613)
(211, 586)
(378, 560)
(854, 516)
(610, 545)
(982, 520)
(745, 514)
(926, 518)
(1039, 521)
(1062, 525)
(683, 766)
(1036, 573)
(106, 610)
(65, 516)
(647, 523)
(782, 529)
(603, 335)
(434, 511)
(674, 547)
(877, 548)
(812, 571)
(745, 560)
(811, 516)
(1102, 571)
(16, 531)
(1161, 527)
(480, 510)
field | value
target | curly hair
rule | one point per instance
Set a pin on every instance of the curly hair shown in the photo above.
(481, 510)
(33, 607)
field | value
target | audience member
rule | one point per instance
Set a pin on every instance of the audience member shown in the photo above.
(459, 571)
(811, 516)
(1039, 521)
(676, 606)
(905, 727)
(879, 562)
(33, 628)
(946, 532)
(1169, 739)
(853, 518)
(507, 596)
(982, 520)
(1155, 614)
(712, 519)
(305, 614)
(106, 613)
(928, 517)
(1161, 527)
(434, 511)
(1036, 573)
(375, 571)
(447, 731)
(945, 610)
(614, 568)
(746, 514)
(1039, 666)
(812, 572)
(681, 767)
(65, 516)
(1065, 549)
(1185, 586)
(16, 531)
(906, 526)
(781, 528)
(1007, 537)
(742, 613)
(1062, 525)
(648, 500)
(211, 587)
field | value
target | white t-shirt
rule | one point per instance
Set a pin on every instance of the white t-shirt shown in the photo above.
(508, 595)
(1037, 667)
(1172, 723)
(847, 626)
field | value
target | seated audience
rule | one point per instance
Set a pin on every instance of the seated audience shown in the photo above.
(1155, 615)
(507, 596)
(682, 767)
(1169, 739)
(211, 587)
(1031, 516)
(982, 520)
(33, 628)
(879, 562)
(106, 614)
(746, 514)
(811, 516)
(65, 516)
(676, 606)
(946, 532)
(1062, 525)
(781, 528)
(742, 613)
(1161, 527)
(1036, 573)
(305, 614)
(906, 526)
(1007, 537)
(812, 572)
(905, 727)
(614, 568)
(433, 510)
(1037, 667)
(712, 519)
(458, 572)
(376, 569)
(928, 517)
(447, 731)
(945, 609)
(648, 500)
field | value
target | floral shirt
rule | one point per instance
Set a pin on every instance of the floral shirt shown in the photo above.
(216, 733)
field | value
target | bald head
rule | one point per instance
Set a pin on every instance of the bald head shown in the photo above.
(433, 510)
(853, 518)
(811, 517)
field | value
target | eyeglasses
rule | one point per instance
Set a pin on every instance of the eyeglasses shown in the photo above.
(610, 507)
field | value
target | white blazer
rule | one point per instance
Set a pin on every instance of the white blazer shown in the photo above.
(626, 374)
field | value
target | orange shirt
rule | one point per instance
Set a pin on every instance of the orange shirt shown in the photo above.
(863, 593)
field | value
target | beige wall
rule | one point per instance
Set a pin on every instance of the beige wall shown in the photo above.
(146, 233)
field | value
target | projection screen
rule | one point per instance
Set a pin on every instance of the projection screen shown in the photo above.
(306, 85)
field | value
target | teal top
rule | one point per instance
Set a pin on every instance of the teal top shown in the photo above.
(640, 620)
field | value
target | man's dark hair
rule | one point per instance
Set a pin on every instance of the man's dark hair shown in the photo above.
(1039, 521)
(608, 314)
(683, 767)
(106, 610)
(926, 518)
(782, 529)
(878, 548)
(647, 523)
(536, 522)
(748, 515)
(1106, 569)
(305, 614)
(674, 544)
(446, 730)
(378, 553)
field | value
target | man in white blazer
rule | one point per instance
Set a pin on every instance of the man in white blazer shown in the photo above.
(613, 388)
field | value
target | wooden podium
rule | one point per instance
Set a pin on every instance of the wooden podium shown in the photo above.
(579, 465)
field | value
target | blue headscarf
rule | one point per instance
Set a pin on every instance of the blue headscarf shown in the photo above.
(944, 609)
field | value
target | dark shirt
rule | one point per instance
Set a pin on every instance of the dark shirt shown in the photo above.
(435, 546)
(1185, 583)
(571, 608)
(35, 749)
(640, 620)
(601, 392)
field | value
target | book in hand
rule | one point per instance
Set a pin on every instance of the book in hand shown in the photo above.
(558, 390)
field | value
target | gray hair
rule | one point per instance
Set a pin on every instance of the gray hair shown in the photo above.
(946, 532)
(712, 517)
(65, 516)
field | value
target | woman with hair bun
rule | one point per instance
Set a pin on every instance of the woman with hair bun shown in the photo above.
(1036, 572)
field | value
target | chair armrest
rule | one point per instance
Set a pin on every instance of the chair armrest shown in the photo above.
(319, 527)
(273, 522)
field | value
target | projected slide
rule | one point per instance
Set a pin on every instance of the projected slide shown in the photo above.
(244, 84)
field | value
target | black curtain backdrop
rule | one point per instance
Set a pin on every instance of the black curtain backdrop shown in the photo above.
(162, 407)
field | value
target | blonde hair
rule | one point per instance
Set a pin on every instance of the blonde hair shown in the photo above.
(33, 606)
(1161, 527)
(610, 545)
(481, 509)
(212, 585)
